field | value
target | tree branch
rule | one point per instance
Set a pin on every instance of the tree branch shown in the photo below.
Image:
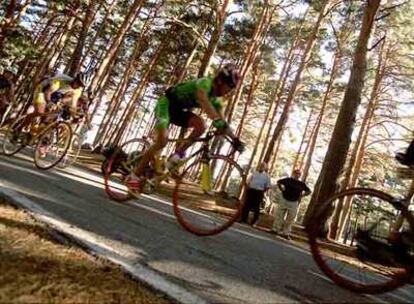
(393, 7)
(377, 43)
(385, 140)
(382, 17)
(190, 27)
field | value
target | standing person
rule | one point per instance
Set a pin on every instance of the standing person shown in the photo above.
(292, 191)
(7, 79)
(257, 184)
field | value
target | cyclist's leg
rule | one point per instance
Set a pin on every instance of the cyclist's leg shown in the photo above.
(161, 128)
(194, 122)
(39, 104)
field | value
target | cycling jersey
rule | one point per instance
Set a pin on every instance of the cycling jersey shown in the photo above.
(60, 85)
(185, 96)
(174, 106)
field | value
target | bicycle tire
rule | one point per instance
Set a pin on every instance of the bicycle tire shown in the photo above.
(113, 174)
(8, 134)
(210, 218)
(318, 244)
(72, 153)
(50, 128)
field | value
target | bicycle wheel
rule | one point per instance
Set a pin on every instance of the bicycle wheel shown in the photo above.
(120, 164)
(358, 253)
(14, 139)
(52, 145)
(73, 152)
(207, 195)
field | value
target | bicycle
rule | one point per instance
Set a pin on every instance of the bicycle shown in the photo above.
(75, 147)
(371, 250)
(51, 140)
(5, 117)
(207, 196)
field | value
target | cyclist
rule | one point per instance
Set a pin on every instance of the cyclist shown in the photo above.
(175, 107)
(58, 88)
(7, 79)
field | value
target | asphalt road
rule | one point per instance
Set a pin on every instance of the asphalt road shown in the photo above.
(240, 265)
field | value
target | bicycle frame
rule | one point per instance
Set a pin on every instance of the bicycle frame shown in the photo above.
(203, 152)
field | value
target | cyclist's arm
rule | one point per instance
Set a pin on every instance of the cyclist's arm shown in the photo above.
(212, 113)
(228, 130)
(67, 99)
(48, 93)
(207, 106)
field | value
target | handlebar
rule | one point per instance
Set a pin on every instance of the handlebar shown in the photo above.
(235, 142)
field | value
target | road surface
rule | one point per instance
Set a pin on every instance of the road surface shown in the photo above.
(240, 265)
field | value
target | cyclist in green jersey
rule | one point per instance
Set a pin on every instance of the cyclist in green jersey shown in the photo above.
(175, 107)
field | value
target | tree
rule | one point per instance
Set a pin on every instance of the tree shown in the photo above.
(341, 137)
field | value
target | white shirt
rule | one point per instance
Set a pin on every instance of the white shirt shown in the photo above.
(259, 181)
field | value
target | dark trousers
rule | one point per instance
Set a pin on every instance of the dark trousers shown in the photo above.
(252, 202)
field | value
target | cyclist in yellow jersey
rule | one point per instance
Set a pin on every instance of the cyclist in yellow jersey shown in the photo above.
(61, 88)
(175, 107)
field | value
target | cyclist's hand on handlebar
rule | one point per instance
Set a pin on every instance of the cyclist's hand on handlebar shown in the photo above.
(221, 125)
(238, 145)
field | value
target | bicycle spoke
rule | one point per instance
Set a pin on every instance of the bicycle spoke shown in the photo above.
(119, 165)
(52, 146)
(206, 196)
(359, 256)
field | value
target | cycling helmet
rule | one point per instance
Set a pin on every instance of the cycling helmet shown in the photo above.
(230, 75)
(83, 78)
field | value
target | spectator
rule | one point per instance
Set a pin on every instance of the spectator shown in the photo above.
(257, 184)
(292, 191)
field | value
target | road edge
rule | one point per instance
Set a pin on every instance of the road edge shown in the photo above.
(87, 242)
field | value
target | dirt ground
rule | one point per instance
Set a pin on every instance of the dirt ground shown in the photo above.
(34, 268)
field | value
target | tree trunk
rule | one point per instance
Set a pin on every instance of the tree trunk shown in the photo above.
(292, 92)
(250, 56)
(7, 21)
(275, 154)
(274, 102)
(118, 97)
(341, 138)
(61, 44)
(314, 138)
(355, 162)
(75, 63)
(302, 143)
(99, 31)
(109, 59)
(253, 86)
(129, 110)
(215, 37)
